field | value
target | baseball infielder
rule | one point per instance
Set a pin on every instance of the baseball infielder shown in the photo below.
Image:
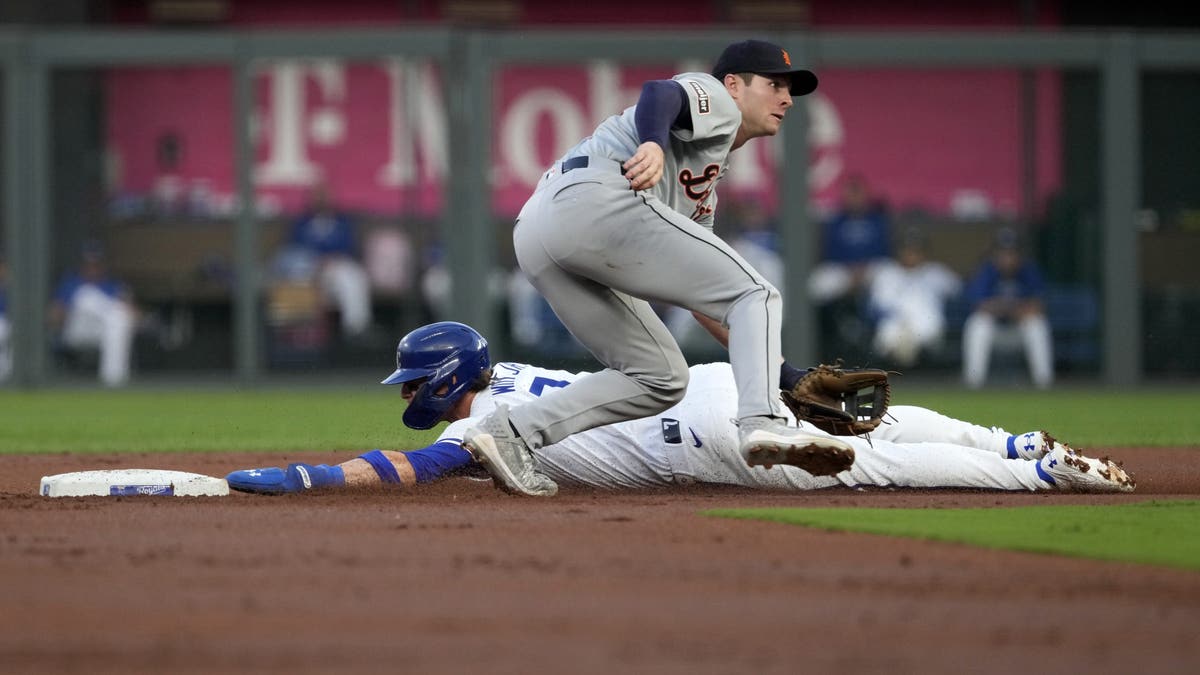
(625, 217)
(445, 375)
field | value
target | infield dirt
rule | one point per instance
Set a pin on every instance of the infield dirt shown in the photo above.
(457, 577)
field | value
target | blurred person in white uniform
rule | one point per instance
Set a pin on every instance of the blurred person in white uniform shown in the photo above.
(907, 296)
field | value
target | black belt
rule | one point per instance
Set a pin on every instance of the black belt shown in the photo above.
(582, 162)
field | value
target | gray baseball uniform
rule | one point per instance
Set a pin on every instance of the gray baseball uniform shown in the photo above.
(599, 252)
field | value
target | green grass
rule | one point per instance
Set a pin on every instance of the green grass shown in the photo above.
(1157, 533)
(144, 421)
(355, 420)
(1104, 418)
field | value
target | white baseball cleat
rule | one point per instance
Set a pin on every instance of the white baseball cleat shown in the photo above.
(496, 446)
(1072, 472)
(766, 441)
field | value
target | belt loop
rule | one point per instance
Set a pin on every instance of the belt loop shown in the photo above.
(583, 161)
(576, 162)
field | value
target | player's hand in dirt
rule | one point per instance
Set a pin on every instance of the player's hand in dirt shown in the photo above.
(645, 168)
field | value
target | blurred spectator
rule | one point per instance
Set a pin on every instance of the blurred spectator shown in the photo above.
(437, 284)
(1005, 297)
(908, 297)
(755, 235)
(5, 330)
(92, 310)
(390, 260)
(854, 240)
(323, 243)
(535, 327)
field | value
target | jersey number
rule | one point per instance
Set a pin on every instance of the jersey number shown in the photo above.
(540, 383)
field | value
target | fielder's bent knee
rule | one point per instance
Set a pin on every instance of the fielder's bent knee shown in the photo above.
(667, 388)
(762, 294)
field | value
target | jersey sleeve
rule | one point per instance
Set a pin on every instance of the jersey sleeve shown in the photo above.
(713, 111)
(436, 461)
(453, 433)
(662, 105)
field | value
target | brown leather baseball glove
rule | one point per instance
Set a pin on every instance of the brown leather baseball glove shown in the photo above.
(841, 401)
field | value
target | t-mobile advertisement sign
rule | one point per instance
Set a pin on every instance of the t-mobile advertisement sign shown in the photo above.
(377, 134)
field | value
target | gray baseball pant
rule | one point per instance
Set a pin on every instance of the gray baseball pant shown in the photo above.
(600, 253)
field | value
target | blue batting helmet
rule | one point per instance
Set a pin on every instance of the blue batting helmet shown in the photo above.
(448, 356)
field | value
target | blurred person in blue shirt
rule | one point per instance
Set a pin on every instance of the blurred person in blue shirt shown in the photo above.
(92, 310)
(1006, 297)
(855, 240)
(323, 246)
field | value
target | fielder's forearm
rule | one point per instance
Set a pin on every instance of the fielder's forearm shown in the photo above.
(714, 328)
(788, 374)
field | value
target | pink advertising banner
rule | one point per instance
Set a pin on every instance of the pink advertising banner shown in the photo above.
(376, 133)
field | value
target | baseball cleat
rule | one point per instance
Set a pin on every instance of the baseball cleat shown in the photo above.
(495, 445)
(1072, 472)
(276, 481)
(765, 441)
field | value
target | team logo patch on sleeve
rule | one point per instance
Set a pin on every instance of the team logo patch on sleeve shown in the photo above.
(671, 434)
(702, 106)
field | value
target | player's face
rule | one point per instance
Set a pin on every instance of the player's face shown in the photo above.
(763, 103)
(409, 389)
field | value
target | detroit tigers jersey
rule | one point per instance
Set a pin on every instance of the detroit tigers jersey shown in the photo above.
(697, 156)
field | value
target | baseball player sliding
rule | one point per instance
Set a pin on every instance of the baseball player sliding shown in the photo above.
(626, 217)
(445, 374)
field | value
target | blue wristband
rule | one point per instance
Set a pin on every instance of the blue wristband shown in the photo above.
(382, 465)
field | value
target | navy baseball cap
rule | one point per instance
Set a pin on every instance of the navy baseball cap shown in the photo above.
(764, 58)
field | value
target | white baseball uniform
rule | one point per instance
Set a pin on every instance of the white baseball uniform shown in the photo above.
(697, 441)
(96, 319)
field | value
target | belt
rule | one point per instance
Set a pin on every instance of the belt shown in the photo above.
(584, 161)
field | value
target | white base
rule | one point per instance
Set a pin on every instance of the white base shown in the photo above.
(130, 482)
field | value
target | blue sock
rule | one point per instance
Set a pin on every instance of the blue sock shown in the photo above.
(789, 375)
(1043, 475)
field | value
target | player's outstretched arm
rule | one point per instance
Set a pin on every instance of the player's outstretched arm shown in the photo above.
(374, 468)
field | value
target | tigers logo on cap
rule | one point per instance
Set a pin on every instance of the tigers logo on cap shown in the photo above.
(786, 59)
